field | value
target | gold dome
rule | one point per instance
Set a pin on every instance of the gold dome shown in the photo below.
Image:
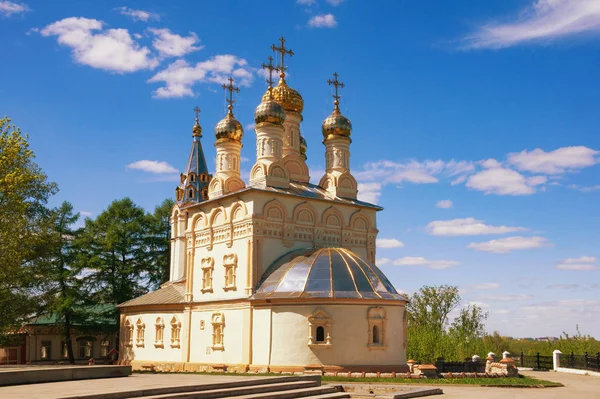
(303, 146)
(269, 111)
(229, 128)
(289, 98)
(197, 129)
(336, 124)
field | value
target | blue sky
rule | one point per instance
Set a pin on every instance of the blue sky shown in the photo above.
(475, 124)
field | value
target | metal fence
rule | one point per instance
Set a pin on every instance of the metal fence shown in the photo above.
(536, 361)
(582, 362)
(467, 366)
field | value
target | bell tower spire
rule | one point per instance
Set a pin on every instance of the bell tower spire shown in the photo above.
(193, 182)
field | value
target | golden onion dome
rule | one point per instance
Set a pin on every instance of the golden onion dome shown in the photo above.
(336, 125)
(197, 129)
(303, 146)
(289, 98)
(229, 128)
(269, 111)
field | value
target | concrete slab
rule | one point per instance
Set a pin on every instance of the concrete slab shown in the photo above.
(41, 374)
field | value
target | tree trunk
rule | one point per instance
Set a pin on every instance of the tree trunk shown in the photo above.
(68, 340)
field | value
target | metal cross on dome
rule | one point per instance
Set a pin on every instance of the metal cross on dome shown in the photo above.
(197, 111)
(282, 51)
(271, 68)
(231, 89)
(336, 83)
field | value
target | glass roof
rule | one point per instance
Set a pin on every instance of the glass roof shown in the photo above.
(324, 273)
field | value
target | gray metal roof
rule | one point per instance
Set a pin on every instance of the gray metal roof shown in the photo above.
(324, 273)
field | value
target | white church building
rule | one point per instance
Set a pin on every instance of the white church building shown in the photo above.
(276, 275)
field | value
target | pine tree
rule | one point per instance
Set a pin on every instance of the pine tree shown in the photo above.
(159, 243)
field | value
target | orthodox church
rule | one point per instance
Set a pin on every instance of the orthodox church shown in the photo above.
(275, 275)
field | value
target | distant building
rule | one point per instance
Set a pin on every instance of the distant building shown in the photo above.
(43, 341)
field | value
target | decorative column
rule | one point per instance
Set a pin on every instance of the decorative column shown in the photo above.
(229, 133)
(336, 129)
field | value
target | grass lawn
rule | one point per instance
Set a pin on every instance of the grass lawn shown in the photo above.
(521, 381)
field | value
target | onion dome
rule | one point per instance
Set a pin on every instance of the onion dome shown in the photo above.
(303, 146)
(289, 98)
(197, 129)
(229, 128)
(336, 125)
(324, 273)
(269, 110)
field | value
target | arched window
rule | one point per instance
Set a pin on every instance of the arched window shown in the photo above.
(376, 319)
(320, 334)
(159, 333)
(191, 193)
(375, 334)
(192, 178)
(141, 328)
(175, 331)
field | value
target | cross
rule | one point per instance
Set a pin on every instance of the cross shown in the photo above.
(336, 83)
(282, 51)
(231, 89)
(197, 111)
(271, 68)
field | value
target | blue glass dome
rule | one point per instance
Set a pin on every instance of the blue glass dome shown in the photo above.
(324, 273)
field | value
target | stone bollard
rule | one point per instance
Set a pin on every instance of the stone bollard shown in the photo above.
(492, 355)
(411, 365)
(556, 359)
(91, 362)
(505, 354)
(475, 359)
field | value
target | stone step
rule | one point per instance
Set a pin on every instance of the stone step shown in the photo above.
(290, 394)
(336, 395)
(256, 389)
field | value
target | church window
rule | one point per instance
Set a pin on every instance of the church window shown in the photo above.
(175, 332)
(319, 329)
(64, 351)
(376, 320)
(230, 265)
(128, 333)
(320, 334)
(191, 193)
(207, 265)
(104, 348)
(192, 177)
(218, 323)
(159, 334)
(46, 350)
(141, 329)
(85, 348)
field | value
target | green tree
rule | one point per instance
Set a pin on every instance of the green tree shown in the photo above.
(430, 333)
(24, 192)
(59, 272)
(159, 243)
(114, 253)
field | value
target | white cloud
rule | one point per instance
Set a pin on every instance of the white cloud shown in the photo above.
(505, 245)
(250, 127)
(179, 77)
(585, 189)
(335, 3)
(85, 213)
(562, 160)
(170, 44)
(543, 21)
(467, 227)
(506, 297)
(113, 50)
(583, 263)
(389, 243)
(369, 192)
(420, 261)
(382, 261)
(500, 181)
(570, 287)
(485, 286)
(306, 2)
(444, 204)
(9, 8)
(157, 167)
(413, 171)
(322, 21)
(138, 15)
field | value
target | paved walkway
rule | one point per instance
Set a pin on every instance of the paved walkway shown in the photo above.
(575, 387)
(55, 390)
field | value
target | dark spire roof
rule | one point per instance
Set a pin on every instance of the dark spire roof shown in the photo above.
(195, 179)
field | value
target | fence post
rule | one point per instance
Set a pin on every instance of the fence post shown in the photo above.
(538, 360)
(572, 360)
(556, 359)
(585, 354)
(522, 360)
(598, 361)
